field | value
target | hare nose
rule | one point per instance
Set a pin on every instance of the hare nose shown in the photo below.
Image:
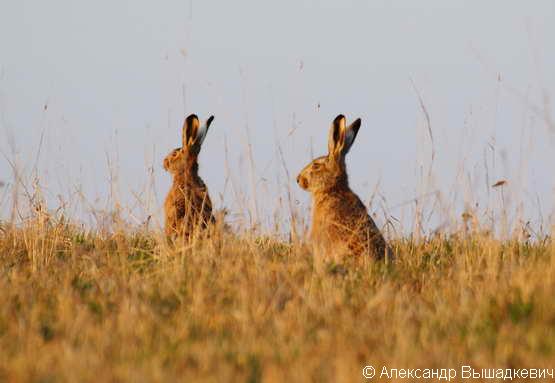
(299, 179)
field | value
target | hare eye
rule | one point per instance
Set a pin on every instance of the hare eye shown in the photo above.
(316, 166)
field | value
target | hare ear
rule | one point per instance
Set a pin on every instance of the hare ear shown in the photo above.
(350, 135)
(336, 138)
(341, 137)
(190, 130)
(201, 135)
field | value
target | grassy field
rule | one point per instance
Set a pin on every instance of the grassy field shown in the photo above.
(81, 307)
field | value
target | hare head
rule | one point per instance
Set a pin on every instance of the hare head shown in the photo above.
(329, 171)
(184, 159)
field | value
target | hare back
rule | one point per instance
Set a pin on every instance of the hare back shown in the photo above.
(187, 208)
(342, 226)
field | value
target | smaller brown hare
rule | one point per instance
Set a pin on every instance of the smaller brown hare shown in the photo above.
(341, 225)
(188, 208)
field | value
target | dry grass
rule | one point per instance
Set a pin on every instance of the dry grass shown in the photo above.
(79, 306)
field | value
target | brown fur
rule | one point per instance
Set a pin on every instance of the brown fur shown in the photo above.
(341, 225)
(188, 208)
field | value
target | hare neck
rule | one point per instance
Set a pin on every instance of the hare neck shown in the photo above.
(340, 184)
(187, 175)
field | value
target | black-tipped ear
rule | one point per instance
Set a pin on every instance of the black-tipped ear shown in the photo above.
(190, 130)
(355, 126)
(209, 121)
(201, 135)
(350, 135)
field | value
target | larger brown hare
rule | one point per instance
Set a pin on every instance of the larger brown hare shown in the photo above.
(188, 208)
(341, 225)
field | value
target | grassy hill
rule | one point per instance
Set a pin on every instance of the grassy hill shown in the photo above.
(80, 306)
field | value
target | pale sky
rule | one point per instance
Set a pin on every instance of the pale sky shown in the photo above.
(115, 79)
